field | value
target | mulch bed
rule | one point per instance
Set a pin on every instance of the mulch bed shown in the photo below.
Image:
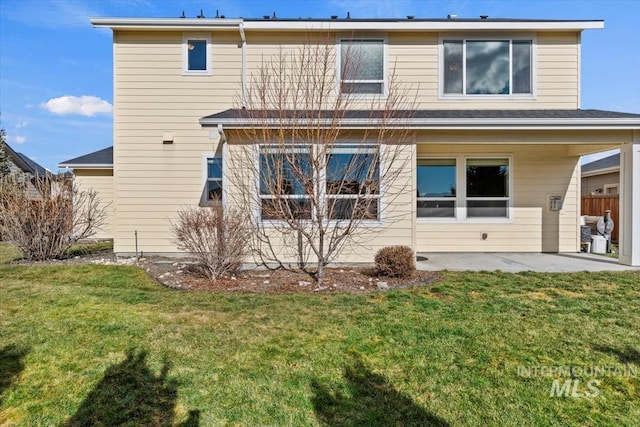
(346, 279)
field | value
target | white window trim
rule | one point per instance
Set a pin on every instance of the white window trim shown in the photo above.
(204, 197)
(367, 223)
(606, 187)
(378, 197)
(185, 54)
(385, 68)
(258, 208)
(456, 211)
(461, 191)
(452, 37)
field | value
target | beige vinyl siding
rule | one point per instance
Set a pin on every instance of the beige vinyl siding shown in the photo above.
(101, 181)
(414, 60)
(537, 172)
(597, 182)
(152, 96)
(395, 226)
(556, 66)
(153, 180)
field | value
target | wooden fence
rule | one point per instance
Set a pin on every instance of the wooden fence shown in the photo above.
(596, 204)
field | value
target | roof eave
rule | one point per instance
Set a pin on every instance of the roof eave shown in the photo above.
(450, 25)
(213, 24)
(601, 171)
(165, 23)
(86, 165)
(488, 124)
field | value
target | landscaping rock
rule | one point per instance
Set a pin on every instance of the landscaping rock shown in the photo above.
(383, 286)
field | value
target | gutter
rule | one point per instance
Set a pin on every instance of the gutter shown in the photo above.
(185, 24)
(568, 124)
(86, 165)
(212, 24)
(603, 171)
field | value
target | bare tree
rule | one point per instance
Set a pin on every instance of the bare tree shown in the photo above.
(46, 227)
(314, 178)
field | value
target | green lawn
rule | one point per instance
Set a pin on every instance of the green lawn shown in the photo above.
(8, 253)
(105, 345)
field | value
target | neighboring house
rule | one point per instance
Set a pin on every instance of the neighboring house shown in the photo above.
(492, 94)
(601, 176)
(37, 177)
(95, 171)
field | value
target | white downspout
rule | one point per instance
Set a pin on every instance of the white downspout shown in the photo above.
(244, 64)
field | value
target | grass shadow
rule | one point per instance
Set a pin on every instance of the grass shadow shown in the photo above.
(370, 400)
(131, 394)
(628, 355)
(11, 364)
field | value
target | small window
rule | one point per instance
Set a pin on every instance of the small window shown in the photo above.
(436, 188)
(214, 179)
(487, 67)
(362, 66)
(196, 55)
(487, 188)
(353, 182)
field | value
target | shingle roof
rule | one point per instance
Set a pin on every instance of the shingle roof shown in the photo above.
(36, 169)
(101, 158)
(605, 163)
(25, 163)
(435, 114)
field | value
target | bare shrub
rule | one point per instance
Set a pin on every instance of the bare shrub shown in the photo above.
(395, 261)
(45, 226)
(218, 240)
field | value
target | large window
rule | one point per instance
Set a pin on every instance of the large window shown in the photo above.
(285, 182)
(436, 188)
(487, 67)
(353, 182)
(350, 187)
(214, 178)
(196, 52)
(483, 192)
(362, 66)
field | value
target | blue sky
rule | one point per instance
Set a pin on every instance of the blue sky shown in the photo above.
(56, 70)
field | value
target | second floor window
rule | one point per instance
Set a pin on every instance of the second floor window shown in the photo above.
(196, 55)
(487, 67)
(362, 66)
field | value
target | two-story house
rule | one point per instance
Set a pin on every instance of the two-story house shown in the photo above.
(494, 139)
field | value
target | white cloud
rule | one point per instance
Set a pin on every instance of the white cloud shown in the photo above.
(18, 139)
(21, 124)
(84, 105)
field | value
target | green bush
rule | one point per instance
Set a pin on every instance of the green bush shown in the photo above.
(395, 261)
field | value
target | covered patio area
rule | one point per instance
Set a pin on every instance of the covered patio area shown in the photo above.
(519, 262)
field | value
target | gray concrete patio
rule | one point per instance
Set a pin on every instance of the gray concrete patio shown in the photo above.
(517, 262)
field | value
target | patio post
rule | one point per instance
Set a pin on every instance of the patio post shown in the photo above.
(630, 202)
